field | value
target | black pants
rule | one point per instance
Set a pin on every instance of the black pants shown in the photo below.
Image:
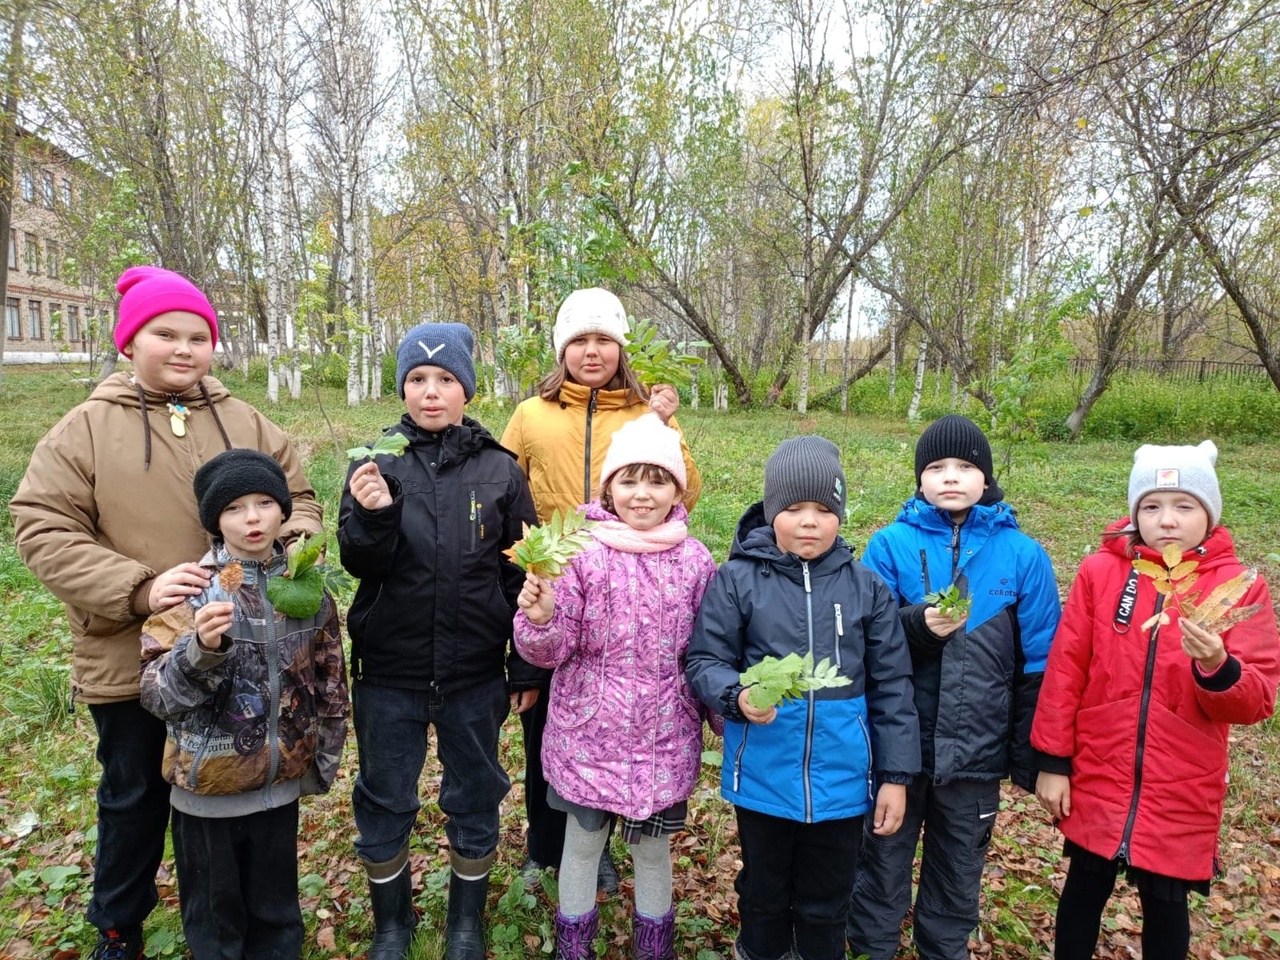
(545, 841)
(1166, 924)
(133, 814)
(957, 819)
(238, 884)
(794, 885)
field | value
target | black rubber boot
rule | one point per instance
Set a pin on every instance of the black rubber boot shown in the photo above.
(464, 927)
(394, 919)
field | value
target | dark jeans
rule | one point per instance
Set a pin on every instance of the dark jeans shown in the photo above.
(545, 840)
(133, 814)
(794, 885)
(238, 884)
(391, 736)
(957, 819)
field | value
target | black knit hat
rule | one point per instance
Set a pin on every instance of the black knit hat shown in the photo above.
(959, 437)
(234, 473)
(800, 469)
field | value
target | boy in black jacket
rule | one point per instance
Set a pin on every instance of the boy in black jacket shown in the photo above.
(431, 633)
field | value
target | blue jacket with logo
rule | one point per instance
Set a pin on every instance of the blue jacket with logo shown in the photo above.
(975, 691)
(820, 758)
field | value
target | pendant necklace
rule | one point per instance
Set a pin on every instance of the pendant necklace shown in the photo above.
(178, 418)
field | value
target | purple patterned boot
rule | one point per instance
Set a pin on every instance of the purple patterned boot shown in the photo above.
(575, 936)
(654, 939)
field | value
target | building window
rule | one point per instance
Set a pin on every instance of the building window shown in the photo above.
(28, 185)
(66, 193)
(31, 252)
(34, 326)
(73, 322)
(13, 249)
(46, 189)
(52, 259)
(56, 330)
(12, 319)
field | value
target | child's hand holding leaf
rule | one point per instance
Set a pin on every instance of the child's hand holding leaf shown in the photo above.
(1202, 646)
(545, 551)
(369, 487)
(212, 621)
(537, 599)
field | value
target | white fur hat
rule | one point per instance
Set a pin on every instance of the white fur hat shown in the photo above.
(590, 310)
(1189, 469)
(645, 440)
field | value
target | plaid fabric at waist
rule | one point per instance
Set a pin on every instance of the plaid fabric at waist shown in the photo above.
(661, 823)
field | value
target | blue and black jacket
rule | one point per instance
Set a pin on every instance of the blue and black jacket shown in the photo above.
(820, 759)
(976, 690)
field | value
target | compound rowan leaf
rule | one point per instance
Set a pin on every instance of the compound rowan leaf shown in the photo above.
(545, 551)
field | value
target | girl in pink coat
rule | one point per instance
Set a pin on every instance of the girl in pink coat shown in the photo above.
(624, 731)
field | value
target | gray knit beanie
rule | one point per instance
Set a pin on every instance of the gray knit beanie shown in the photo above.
(801, 469)
(1189, 469)
(232, 474)
(446, 345)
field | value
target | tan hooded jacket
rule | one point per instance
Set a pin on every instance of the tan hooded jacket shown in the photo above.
(104, 508)
(561, 445)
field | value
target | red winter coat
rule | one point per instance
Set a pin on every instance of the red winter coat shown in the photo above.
(1146, 736)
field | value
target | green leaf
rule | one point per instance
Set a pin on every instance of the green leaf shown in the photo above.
(544, 550)
(655, 361)
(773, 681)
(299, 597)
(950, 602)
(388, 445)
(305, 555)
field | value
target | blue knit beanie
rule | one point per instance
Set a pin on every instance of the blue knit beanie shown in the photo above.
(445, 345)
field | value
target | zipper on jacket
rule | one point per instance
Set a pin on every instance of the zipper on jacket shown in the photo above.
(1143, 709)
(737, 757)
(924, 571)
(273, 681)
(871, 783)
(955, 550)
(473, 519)
(839, 633)
(586, 462)
(810, 704)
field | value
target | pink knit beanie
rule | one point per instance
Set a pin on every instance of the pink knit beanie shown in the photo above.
(645, 440)
(147, 292)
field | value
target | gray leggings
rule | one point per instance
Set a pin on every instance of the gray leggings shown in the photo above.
(651, 857)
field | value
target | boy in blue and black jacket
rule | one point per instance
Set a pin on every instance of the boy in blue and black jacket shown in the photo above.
(977, 674)
(804, 775)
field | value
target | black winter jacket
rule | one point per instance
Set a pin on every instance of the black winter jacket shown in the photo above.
(436, 596)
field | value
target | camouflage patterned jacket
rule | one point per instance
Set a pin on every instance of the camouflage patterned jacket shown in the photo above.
(258, 722)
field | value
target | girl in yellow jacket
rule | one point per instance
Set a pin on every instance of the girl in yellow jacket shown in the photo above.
(560, 437)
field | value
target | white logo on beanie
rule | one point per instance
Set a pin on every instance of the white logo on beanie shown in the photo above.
(1167, 477)
(428, 351)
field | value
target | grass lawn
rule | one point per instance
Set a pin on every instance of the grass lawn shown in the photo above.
(1064, 495)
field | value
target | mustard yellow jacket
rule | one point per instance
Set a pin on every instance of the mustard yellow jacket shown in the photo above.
(561, 445)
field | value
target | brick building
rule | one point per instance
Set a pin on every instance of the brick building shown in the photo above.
(48, 311)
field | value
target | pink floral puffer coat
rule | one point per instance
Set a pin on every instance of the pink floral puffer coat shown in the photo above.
(624, 730)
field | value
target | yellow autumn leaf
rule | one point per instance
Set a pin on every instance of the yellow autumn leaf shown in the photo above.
(1221, 598)
(1172, 555)
(1161, 618)
(1152, 570)
(1182, 569)
(1238, 615)
(1163, 586)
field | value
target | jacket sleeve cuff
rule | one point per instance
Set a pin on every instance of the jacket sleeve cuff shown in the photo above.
(140, 599)
(730, 709)
(896, 776)
(1051, 764)
(1224, 678)
(200, 659)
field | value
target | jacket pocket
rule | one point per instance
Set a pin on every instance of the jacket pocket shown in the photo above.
(574, 703)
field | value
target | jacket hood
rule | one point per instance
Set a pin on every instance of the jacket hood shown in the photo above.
(1217, 548)
(120, 388)
(575, 394)
(983, 517)
(755, 539)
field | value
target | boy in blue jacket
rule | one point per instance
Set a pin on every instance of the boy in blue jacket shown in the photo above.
(977, 676)
(803, 775)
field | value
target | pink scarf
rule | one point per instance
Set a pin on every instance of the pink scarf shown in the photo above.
(616, 534)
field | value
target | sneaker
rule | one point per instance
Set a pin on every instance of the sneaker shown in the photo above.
(118, 945)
